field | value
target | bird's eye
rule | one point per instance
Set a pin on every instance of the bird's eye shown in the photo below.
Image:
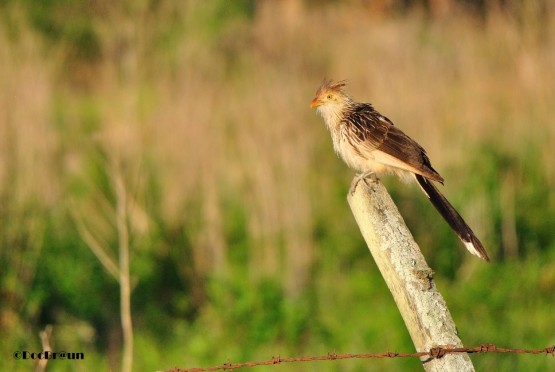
(329, 96)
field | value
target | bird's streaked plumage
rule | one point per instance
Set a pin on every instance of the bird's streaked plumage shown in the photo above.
(369, 142)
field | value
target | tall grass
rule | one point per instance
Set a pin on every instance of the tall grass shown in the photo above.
(231, 176)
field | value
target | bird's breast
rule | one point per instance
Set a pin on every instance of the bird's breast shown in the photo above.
(353, 153)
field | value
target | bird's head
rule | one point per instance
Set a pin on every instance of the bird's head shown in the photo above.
(329, 93)
(330, 99)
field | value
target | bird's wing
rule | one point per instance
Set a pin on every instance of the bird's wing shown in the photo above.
(387, 144)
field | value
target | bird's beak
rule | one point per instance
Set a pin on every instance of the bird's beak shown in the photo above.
(315, 103)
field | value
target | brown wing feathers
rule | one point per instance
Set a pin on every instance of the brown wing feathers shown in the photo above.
(378, 132)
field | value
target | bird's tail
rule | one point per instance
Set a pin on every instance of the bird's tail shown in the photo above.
(453, 218)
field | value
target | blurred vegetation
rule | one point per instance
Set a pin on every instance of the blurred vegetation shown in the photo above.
(243, 245)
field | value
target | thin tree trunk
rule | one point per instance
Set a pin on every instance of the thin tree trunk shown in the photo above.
(124, 282)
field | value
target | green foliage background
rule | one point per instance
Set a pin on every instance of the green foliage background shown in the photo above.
(242, 243)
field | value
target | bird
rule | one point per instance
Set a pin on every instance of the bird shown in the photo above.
(370, 143)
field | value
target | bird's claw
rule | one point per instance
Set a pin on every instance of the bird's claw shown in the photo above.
(357, 179)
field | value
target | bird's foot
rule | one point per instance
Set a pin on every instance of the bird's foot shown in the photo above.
(358, 178)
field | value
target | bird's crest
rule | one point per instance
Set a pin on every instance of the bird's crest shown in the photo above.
(328, 85)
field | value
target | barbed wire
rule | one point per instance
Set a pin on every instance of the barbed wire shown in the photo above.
(436, 352)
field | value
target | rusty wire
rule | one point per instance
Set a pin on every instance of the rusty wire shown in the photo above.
(436, 352)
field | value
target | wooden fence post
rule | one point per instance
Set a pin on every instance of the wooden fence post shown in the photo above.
(407, 275)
